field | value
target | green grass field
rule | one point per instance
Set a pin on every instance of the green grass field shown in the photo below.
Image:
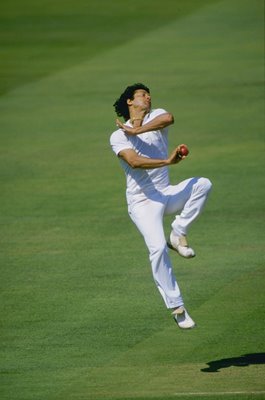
(81, 316)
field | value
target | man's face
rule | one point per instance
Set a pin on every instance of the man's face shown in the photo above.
(141, 100)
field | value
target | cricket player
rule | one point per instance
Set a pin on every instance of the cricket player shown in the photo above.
(141, 144)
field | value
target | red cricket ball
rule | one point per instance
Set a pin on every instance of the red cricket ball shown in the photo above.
(184, 151)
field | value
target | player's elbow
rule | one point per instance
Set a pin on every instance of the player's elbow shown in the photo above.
(131, 158)
(169, 119)
(134, 163)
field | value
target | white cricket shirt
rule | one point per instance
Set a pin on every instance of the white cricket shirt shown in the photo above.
(152, 144)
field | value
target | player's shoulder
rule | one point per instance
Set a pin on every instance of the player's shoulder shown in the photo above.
(117, 135)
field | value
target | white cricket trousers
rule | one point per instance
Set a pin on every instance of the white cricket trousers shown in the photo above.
(186, 201)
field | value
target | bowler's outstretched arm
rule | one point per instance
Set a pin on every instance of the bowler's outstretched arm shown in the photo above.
(159, 122)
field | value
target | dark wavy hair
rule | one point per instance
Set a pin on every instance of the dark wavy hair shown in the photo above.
(121, 106)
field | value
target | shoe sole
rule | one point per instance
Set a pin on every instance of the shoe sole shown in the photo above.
(184, 329)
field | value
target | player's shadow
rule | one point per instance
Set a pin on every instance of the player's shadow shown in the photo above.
(242, 361)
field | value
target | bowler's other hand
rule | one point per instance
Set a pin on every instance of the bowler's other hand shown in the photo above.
(125, 128)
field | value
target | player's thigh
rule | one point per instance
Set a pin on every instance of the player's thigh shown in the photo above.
(148, 217)
(178, 195)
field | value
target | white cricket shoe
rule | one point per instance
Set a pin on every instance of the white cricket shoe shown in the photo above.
(180, 244)
(183, 319)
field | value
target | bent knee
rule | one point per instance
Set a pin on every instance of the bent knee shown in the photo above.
(206, 184)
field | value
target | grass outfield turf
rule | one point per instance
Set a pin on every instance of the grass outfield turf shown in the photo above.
(81, 317)
(39, 38)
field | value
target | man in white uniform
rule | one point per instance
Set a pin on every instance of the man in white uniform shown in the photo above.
(142, 147)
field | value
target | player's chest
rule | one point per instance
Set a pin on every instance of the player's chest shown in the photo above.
(148, 139)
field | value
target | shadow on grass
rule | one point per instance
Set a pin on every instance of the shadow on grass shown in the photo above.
(242, 361)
